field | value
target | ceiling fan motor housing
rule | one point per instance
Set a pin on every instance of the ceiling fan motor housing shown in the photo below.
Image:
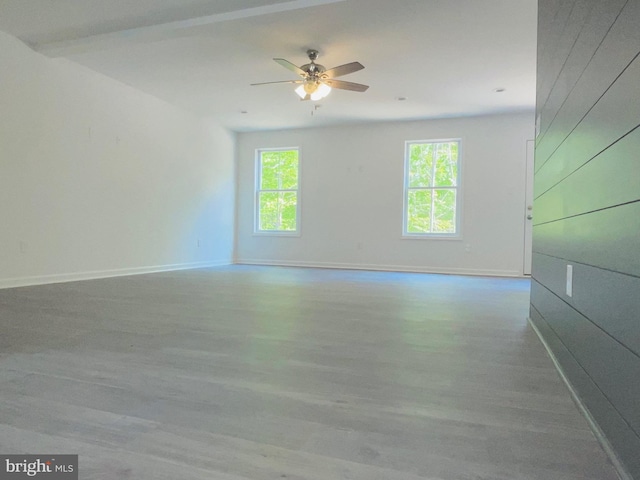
(313, 69)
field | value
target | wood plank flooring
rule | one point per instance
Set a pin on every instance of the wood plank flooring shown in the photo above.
(259, 373)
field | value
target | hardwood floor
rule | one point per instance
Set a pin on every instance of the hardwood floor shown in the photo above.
(247, 372)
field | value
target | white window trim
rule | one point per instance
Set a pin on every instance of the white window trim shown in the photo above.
(256, 199)
(459, 194)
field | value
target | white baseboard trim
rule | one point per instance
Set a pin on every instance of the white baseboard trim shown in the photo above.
(93, 275)
(383, 268)
(595, 428)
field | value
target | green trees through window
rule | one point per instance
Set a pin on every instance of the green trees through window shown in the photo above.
(277, 191)
(431, 188)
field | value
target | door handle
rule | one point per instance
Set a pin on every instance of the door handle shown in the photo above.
(529, 217)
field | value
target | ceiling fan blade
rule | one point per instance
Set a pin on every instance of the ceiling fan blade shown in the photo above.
(341, 84)
(290, 66)
(343, 70)
(281, 81)
(307, 97)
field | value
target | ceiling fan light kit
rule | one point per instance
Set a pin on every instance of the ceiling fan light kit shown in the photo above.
(317, 81)
(315, 90)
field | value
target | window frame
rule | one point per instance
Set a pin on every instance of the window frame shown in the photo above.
(258, 190)
(457, 235)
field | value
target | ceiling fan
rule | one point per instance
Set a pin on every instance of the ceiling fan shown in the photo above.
(317, 81)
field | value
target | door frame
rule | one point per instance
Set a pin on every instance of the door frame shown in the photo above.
(528, 207)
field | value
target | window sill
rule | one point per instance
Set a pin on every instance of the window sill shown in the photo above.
(457, 237)
(276, 234)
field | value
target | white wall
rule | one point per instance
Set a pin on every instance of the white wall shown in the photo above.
(98, 179)
(352, 195)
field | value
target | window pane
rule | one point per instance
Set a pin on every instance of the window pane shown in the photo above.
(447, 164)
(277, 211)
(279, 170)
(420, 164)
(419, 211)
(288, 219)
(444, 211)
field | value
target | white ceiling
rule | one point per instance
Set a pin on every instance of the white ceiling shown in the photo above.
(445, 56)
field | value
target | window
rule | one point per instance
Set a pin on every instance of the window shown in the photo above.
(431, 188)
(277, 175)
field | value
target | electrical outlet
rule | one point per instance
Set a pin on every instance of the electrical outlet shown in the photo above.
(569, 289)
(24, 246)
(467, 248)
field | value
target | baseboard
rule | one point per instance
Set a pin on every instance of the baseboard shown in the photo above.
(595, 428)
(383, 268)
(92, 275)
